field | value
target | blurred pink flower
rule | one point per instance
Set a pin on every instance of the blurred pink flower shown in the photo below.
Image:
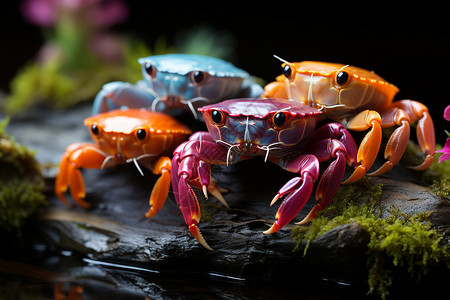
(445, 151)
(97, 13)
(447, 113)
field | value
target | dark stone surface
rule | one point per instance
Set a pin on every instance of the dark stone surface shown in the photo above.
(115, 230)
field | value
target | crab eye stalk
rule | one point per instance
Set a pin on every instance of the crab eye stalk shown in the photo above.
(150, 69)
(217, 117)
(94, 129)
(198, 77)
(342, 78)
(141, 134)
(289, 71)
(279, 119)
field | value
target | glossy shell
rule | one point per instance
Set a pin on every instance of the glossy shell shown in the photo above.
(260, 108)
(133, 132)
(183, 64)
(318, 83)
(249, 124)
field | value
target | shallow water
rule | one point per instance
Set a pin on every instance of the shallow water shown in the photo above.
(38, 273)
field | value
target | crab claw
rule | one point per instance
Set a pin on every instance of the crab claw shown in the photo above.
(187, 168)
(398, 140)
(370, 145)
(425, 133)
(298, 190)
(79, 155)
(161, 188)
(190, 209)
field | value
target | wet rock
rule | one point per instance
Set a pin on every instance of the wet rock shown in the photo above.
(115, 230)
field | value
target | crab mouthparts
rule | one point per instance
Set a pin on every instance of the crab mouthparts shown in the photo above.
(249, 147)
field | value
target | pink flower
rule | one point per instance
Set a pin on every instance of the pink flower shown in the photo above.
(447, 113)
(97, 13)
(445, 151)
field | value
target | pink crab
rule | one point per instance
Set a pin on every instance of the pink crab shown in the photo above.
(280, 131)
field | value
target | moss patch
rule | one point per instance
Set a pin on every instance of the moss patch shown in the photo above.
(21, 183)
(398, 240)
(438, 175)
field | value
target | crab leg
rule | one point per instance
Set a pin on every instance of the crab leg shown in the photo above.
(398, 140)
(161, 188)
(425, 129)
(332, 176)
(337, 131)
(298, 190)
(370, 145)
(79, 155)
(190, 163)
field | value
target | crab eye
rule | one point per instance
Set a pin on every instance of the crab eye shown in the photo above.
(279, 119)
(94, 129)
(217, 117)
(198, 77)
(342, 78)
(289, 71)
(150, 69)
(141, 134)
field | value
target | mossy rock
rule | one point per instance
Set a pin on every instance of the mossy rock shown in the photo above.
(21, 184)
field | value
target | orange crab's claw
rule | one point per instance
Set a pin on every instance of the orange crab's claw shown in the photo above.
(79, 155)
(398, 140)
(161, 188)
(370, 145)
(426, 136)
(402, 113)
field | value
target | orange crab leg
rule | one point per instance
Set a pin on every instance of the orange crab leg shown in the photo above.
(79, 155)
(161, 188)
(398, 140)
(370, 145)
(425, 129)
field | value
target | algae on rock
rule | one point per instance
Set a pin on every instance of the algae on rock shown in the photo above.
(21, 183)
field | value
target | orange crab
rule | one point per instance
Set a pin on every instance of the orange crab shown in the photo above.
(360, 100)
(123, 136)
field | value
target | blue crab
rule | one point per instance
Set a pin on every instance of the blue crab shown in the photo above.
(172, 81)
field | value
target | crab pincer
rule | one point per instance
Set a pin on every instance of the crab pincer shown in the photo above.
(187, 169)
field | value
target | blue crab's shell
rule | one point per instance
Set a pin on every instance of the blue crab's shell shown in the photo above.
(183, 64)
(172, 80)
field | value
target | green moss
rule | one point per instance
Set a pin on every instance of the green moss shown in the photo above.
(399, 240)
(21, 183)
(208, 209)
(438, 175)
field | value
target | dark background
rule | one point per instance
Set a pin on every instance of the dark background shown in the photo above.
(409, 47)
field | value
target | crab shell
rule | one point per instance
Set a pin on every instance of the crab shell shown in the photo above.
(133, 132)
(219, 79)
(251, 125)
(318, 82)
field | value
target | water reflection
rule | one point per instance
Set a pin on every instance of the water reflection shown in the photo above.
(64, 275)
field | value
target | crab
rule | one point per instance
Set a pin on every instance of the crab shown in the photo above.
(360, 100)
(280, 131)
(136, 136)
(174, 81)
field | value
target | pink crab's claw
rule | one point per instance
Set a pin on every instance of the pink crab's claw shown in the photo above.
(188, 168)
(297, 189)
(329, 183)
